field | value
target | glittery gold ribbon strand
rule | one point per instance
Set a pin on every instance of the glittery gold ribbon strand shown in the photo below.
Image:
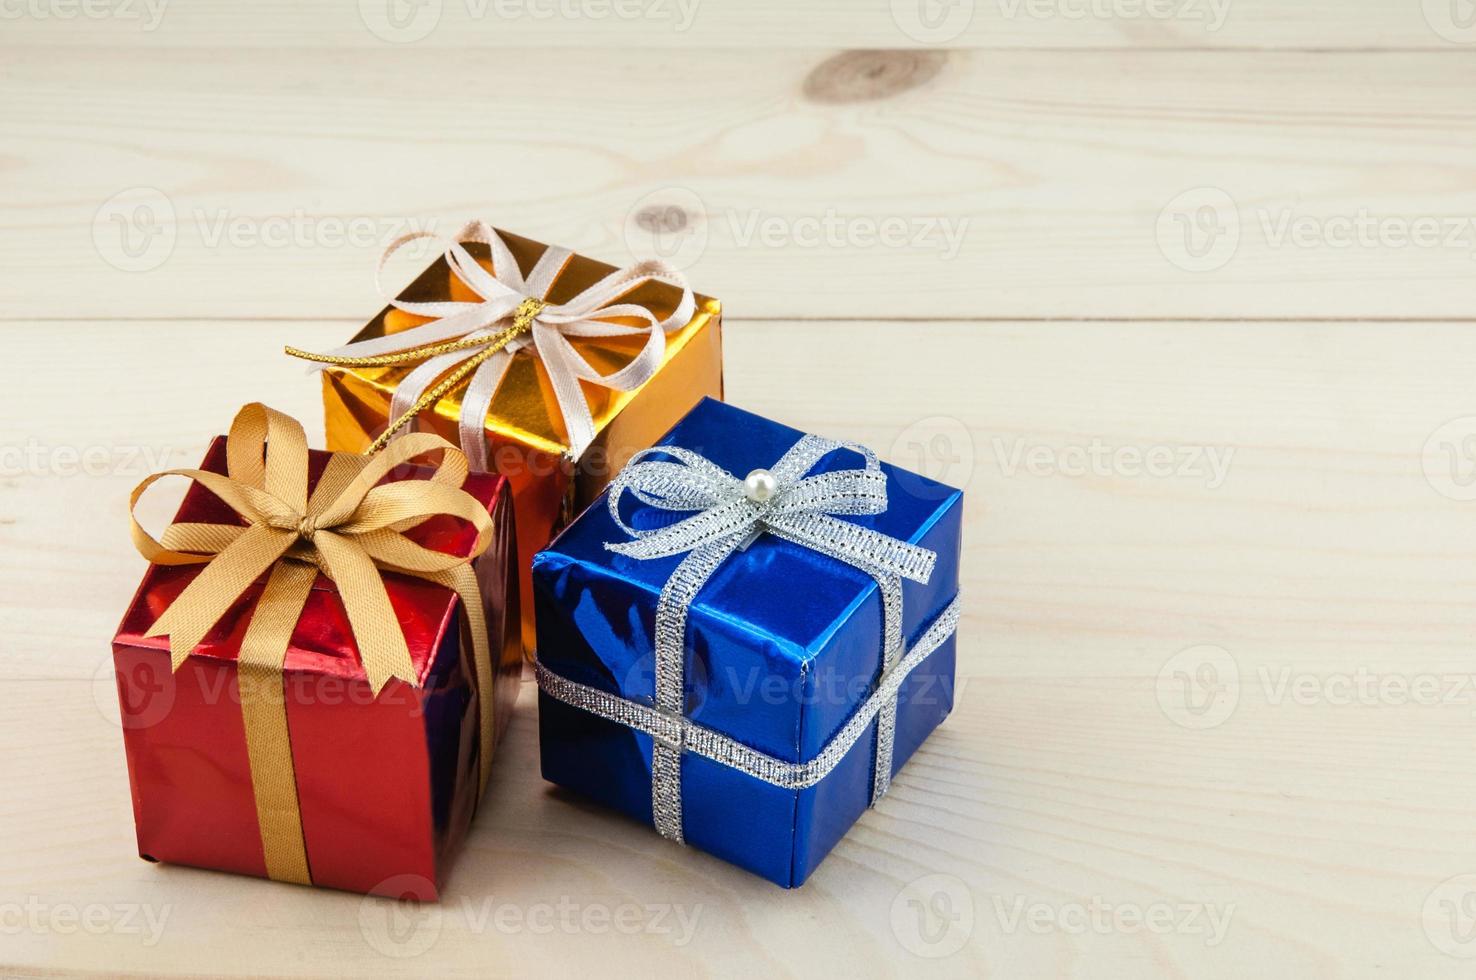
(349, 528)
(522, 323)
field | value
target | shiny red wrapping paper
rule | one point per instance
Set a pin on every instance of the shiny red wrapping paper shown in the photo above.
(386, 786)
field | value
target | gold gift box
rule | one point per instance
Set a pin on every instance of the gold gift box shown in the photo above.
(525, 431)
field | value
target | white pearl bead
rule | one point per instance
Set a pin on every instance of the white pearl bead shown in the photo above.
(759, 486)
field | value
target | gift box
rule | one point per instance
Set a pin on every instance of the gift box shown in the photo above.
(288, 741)
(747, 637)
(565, 404)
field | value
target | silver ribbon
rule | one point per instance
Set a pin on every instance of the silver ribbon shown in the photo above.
(731, 513)
(500, 293)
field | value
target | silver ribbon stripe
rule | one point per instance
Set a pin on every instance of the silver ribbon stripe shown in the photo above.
(499, 294)
(734, 754)
(730, 514)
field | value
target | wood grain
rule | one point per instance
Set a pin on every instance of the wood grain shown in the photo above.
(1063, 779)
(744, 24)
(791, 183)
(1231, 694)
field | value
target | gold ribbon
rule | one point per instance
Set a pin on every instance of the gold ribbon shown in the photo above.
(350, 528)
(522, 323)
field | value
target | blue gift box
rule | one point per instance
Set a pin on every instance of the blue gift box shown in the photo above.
(784, 646)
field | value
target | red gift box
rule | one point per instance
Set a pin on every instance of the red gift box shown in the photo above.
(386, 785)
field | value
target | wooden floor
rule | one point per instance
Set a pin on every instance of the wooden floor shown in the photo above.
(1183, 302)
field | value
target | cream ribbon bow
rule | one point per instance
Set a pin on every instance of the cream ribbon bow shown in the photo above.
(476, 340)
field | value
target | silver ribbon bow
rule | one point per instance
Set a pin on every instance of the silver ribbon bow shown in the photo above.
(732, 512)
(500, 293)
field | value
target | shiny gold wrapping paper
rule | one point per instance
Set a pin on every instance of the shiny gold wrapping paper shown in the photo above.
(525, 432)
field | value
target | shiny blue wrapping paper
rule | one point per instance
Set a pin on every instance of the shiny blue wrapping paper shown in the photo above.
(784, 644)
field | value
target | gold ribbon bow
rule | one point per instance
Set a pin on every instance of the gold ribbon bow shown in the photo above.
(350, 528)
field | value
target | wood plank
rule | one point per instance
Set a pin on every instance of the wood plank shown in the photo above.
(1073, 772)
(751, 24)
(1006, 185)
